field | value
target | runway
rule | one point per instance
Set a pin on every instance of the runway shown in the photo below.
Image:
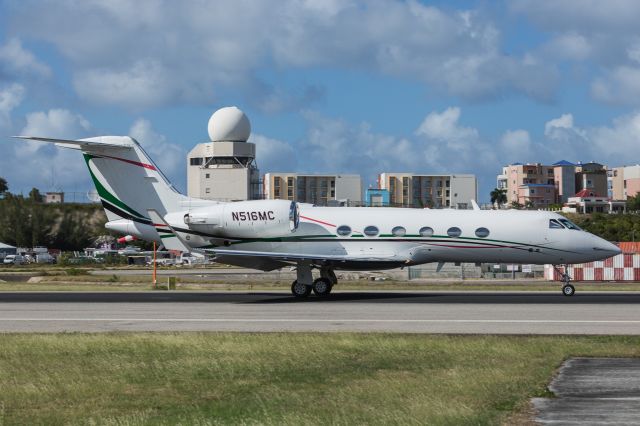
(398, 311)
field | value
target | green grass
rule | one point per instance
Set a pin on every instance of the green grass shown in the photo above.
(241, 378)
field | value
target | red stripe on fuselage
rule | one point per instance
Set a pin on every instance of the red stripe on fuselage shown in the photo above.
(135, 163)
(318, 221)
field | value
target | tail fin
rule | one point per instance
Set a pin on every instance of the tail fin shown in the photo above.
(127, 180)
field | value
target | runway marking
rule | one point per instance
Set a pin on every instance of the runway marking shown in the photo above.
(335, 320)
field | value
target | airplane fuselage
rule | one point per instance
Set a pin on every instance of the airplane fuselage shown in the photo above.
(399, 236)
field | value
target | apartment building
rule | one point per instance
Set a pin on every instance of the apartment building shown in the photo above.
(529, 183)
(318, 189)
(543, 185)
(592, 176)
(418, 190)
(624, 182)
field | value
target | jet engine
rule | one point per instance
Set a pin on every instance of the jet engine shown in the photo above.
(246, 219)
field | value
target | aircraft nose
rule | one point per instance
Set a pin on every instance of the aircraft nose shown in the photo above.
(606, 247)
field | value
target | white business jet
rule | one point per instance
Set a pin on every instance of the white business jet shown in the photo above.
(271, 234)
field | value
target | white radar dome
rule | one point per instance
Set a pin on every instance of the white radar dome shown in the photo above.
(229, 124)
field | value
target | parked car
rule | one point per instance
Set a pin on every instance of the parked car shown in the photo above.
(190, 259)
(14, 259)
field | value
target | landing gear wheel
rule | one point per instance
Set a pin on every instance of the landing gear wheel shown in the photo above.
(300, 290)
(568, 290)
(322, 287)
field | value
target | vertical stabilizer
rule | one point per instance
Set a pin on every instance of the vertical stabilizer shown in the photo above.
(128, 182)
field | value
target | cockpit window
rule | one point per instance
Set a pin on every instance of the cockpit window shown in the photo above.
(569, 224)
(554, 224)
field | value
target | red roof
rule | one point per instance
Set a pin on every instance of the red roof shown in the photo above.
(586, 193)
(628, 247)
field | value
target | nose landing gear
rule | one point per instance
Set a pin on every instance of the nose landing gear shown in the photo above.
(567, 288)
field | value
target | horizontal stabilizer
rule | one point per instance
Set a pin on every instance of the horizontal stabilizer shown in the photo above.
(98, 142)
(167, 234)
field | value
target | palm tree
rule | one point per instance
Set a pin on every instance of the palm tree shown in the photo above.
(498, 197)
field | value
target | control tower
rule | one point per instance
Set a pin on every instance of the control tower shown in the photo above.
(224, 168)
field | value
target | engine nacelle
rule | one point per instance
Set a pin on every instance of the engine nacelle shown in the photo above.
(246, 219)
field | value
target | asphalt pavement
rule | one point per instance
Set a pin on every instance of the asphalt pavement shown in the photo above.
(398, 311)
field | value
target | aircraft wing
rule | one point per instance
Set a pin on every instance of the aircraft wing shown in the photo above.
(269, 261)
(293, 257)
(76, 144)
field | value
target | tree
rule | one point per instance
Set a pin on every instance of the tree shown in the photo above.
(633, 203)
(529, 205)
(35, 196)
(499, 197)
(4, 187)
(516, 205)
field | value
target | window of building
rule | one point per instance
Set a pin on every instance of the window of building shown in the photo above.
(207, 176)
(195, 161)
(454, 231)
(569, 224)
(554, 224)
(371, 231)
(207, 190)
(482, 232)
(343, 230)
(399, 231)
(426, 231)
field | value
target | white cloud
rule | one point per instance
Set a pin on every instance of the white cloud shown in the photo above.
(144, 54)
(16, 61)
(444, 127)
(144, 84)
(592, 32)
(273, 155)
(515, 145)
(619, 86)
(41, 165)
(169, 157)
(565, 121)
(440, 144)
(10, 97)
(56, 123)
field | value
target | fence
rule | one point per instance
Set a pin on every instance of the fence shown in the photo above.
(622, 267)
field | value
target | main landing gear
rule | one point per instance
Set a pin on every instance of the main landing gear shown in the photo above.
(305, 284)
(567, 288)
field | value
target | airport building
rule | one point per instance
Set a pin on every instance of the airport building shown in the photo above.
(318, 189)
(224, 168)
(418, 190)
(624, 182)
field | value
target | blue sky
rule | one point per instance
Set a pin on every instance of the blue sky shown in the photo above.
(338, 86)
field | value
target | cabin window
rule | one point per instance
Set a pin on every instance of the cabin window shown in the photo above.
(343, 230)
(482, 232)
(426, 231)
(554, 224)
(371, 231)
(569, 224)
(454, 231)
(399, 231)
